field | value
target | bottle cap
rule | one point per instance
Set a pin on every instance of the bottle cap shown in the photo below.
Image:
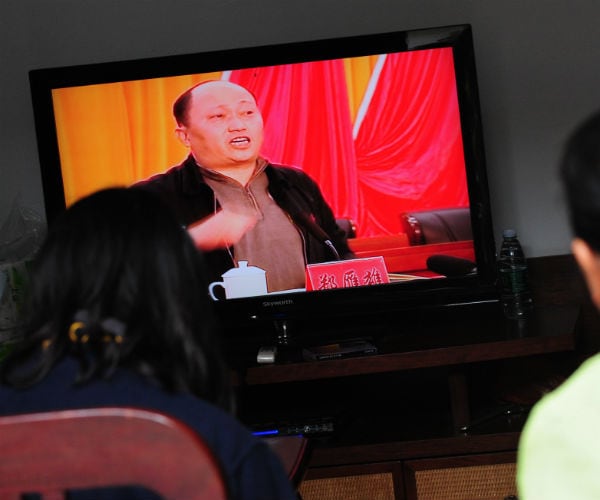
(509, 233)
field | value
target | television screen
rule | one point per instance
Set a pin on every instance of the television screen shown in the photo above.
(380, 140)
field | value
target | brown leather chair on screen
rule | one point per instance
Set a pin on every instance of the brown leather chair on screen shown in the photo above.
(437, 226)
(51, 453)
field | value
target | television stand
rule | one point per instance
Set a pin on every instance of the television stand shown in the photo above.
(426, 397)
(449, 345)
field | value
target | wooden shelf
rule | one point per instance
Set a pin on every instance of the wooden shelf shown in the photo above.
(438, 390)
(426, 373)
(482, 338)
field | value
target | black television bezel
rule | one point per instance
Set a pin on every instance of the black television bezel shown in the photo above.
(342, 306)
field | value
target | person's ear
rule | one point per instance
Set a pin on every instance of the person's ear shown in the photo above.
(589, 262)
(182, 135)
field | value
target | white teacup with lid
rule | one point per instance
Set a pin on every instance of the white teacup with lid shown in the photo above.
(241, 281)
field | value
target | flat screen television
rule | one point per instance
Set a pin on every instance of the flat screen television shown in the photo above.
(387, 124)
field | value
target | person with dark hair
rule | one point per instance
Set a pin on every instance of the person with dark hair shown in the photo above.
(117, 314)
(559, 453)
(236, 204)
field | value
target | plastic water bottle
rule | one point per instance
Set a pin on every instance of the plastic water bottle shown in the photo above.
(515, 294)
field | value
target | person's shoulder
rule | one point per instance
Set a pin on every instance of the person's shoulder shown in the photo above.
(248, 460)
(286, 169)
(289, 173)
(582, 383)
(571, 404)
(241, 453)
(164, 179)
(559, 436)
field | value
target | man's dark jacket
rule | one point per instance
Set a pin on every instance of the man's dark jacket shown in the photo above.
(184, 190)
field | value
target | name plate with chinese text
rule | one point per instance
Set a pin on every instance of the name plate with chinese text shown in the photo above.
(346, 273)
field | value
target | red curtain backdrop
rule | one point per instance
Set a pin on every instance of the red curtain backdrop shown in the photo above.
(409, 147)
(407, 153)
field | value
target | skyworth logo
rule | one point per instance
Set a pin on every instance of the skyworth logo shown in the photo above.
(275, 303)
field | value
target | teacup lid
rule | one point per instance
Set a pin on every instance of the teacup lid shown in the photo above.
(243, 269)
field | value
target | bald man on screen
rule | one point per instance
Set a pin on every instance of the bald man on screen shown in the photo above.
(236, 204)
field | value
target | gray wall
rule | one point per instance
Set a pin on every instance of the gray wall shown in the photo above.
(537, 64)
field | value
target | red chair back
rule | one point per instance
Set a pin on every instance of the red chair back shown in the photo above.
(51, 453)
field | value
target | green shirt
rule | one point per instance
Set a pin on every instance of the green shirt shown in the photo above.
(559, 449)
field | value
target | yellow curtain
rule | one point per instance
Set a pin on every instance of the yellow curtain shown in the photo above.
(118, 133)
(358, 73)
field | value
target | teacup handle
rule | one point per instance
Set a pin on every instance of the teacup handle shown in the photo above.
(212, 286)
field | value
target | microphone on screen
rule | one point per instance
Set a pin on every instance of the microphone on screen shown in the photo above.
(450, 266)
(317, 232)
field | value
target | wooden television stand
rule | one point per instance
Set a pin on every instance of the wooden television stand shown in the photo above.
(449, 395)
